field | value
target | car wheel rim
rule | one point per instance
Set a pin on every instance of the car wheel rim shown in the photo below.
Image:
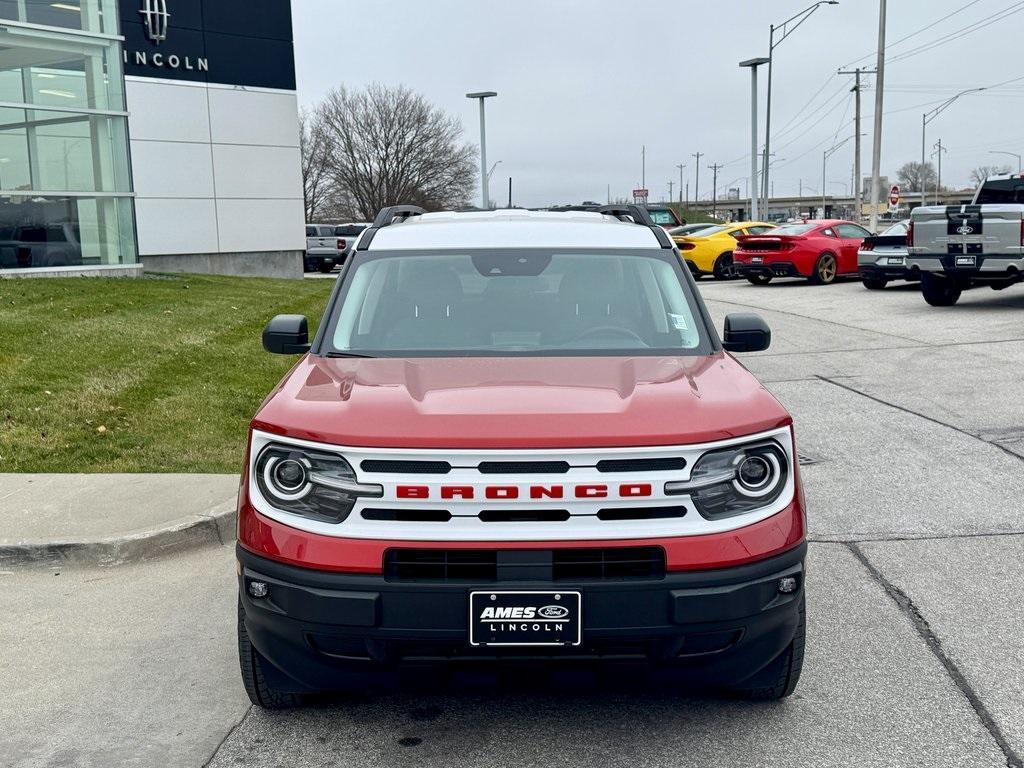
(827, 271)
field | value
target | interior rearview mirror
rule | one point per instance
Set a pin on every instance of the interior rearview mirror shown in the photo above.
(746, 332)
(287, 335)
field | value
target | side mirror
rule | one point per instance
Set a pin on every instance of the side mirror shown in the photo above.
(745, 332)
(287, 335)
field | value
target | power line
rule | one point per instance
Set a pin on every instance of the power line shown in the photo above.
(813, 97)
(962, 32)
(914, 34)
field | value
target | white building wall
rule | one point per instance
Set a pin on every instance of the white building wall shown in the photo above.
(216, 168)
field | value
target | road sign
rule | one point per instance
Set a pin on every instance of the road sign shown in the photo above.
(640, 194)
(894, 196)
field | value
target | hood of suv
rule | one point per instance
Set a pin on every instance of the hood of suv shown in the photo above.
(486, 402)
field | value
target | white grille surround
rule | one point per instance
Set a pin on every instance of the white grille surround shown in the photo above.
(465, 524)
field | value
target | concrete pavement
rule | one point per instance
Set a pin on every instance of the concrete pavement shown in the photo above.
(909, 416)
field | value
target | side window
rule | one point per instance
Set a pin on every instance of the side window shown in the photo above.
(758, 230)
(851, 232)
(828, 232)
(310, 231)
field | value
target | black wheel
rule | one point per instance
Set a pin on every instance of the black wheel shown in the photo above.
(326, 267)
(939, 291)
(779, 678)
(260, 692)
(723, 269)
(825, 270)
(758, 279)
(308, 264)
(874, 283)
(693, 270)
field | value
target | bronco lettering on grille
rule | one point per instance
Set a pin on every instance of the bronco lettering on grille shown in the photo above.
(513, 492)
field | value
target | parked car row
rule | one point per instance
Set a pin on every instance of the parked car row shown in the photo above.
(328, 245)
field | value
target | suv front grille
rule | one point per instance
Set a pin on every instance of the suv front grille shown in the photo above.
(480, 565)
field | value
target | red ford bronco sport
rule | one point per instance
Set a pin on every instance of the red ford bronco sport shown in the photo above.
(517, 436)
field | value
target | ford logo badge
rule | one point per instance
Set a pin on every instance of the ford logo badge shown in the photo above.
(553, 612)
(965, 230)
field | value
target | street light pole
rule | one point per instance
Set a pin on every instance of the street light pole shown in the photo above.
(876, 145)
(485, 198)
(753, 64)
(926, 118)
(788, 27)
(1011, 154)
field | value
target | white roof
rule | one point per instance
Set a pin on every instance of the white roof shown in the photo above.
(513, 228)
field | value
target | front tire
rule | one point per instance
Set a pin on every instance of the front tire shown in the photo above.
(326, 267)
(756, 279)
(938, 291)
(874, 283)
(825, 270)
(779, 678)
(723, 269)
(253, 666)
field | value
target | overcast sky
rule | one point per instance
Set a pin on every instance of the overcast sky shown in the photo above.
(583, 85)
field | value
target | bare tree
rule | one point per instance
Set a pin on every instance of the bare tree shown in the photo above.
(390, 145)
(912, 174)
(982, 172)
(316, 176)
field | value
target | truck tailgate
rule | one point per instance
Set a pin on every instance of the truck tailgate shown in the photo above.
(967, 229)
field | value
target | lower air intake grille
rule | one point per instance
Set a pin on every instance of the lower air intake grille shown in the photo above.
(481, 565)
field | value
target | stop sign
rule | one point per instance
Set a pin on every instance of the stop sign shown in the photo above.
(894, 196)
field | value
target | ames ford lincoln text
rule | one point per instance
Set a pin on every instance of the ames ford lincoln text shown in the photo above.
(516, 435)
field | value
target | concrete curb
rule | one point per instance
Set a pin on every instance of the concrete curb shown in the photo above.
(216, 526)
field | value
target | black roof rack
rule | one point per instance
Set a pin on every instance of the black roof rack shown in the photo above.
(638, 215)
(388, 215)
(386, 218)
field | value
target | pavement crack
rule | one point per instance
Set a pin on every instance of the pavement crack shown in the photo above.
(227, 735)
(867, 538)
(934, 644)
(920, 415)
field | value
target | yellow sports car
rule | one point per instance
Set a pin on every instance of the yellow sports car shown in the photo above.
(709, 251)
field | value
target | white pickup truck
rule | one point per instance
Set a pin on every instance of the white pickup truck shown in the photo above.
(957, 247)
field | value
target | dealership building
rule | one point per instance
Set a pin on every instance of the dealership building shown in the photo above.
(149, 134)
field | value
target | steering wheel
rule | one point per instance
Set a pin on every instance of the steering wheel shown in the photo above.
(611, 330)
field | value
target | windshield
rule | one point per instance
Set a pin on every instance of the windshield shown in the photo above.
(662, 216)
(708, 231)
(791, 229)
(516, 302)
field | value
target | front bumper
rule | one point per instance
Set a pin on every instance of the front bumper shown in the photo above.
(768, 269)
(323, 630)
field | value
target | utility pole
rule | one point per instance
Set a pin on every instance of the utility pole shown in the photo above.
(857, 191)
(687, 199)
(509, 191)
(939, 149)
(876, 147)
(670, 185)
(714, 189)
(609, 194)
(696, 184)
(680, 167)
(643, 167)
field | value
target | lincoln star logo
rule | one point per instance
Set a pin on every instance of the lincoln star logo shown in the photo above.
(963, 229)
(156, 16)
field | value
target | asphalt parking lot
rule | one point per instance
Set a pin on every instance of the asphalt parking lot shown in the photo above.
(911, 423)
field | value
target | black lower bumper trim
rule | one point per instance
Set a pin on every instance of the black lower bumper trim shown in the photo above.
(771, 269)
(874, 272)
(327, 630)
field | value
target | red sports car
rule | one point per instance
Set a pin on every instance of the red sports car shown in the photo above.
(819, 250)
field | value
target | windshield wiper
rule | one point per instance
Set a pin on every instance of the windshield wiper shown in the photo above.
(349, 354)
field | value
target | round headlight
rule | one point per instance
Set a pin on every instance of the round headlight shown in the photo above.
(287, 478)
(754, 473)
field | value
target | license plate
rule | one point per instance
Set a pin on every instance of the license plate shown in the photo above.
(965, 261)
(895, 261)
(525, 618)
(757, 259)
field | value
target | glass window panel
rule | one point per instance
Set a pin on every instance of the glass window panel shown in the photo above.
(86, 15)
(64, 232)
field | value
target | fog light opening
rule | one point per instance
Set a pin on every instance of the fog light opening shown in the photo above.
(788, 584)
(259, 589)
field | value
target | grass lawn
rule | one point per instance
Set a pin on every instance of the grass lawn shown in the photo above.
(159, 374)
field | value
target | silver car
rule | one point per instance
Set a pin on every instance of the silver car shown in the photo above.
(883, 258)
